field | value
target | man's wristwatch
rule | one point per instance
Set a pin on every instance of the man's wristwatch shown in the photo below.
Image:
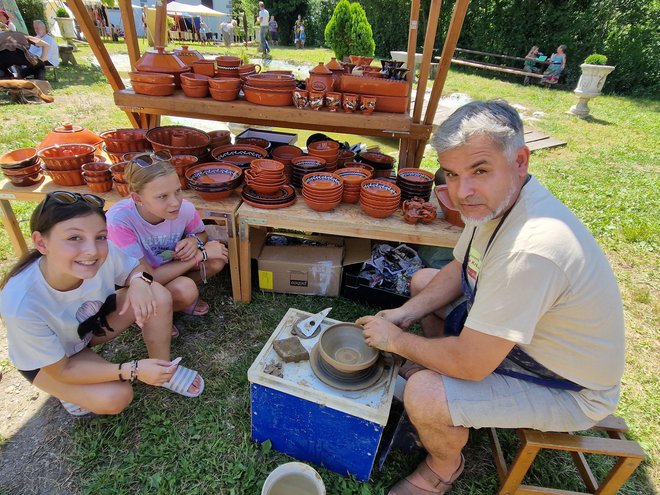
(147, 277)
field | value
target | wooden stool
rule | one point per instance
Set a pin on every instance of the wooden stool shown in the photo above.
(629, 454)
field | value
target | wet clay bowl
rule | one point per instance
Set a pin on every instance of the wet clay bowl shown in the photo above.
(153, 89)
(225, 83)
(451, 213)
(224, 94)
(173, 137)
(238, 154)
(342, 346)
(67, 156)
(124, 140)
(20, 158)
(192, 79)
(268, 97)
(195, 91)
(151, 77)
(66, 177)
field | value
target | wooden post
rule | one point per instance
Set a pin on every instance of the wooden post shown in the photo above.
(427, 56)
(130, 33)
(412, 46)
(98, 48)
(455, 26)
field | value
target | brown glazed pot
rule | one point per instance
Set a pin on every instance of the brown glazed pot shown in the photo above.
(320, 79)
(69, 134)
(159, 60)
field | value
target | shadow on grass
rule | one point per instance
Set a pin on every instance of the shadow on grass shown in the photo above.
(594, 120)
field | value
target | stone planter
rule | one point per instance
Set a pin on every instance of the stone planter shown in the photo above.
(589, 86)
(67, 27)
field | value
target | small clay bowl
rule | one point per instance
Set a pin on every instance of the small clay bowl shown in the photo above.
(153, 89)
(321, 206)
(96, 178)
(254, 141)
(204, 67)
(117, 171)
(195, 91)
(225, 83)
(192, 79)
(22, 157)
(228, 61)
(100, 187)
(324, 148)
(224, 95)
(219, 138)
(19, 172)
(122, 188)
(25, 180)
(151, 77)
(95, 169)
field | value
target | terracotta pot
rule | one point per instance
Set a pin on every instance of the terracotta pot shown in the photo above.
(159, 60)
(107, 176)
(153, 89)
(316, 99)
(228, 61)
(333, 101)
(67, 134)
(367, 104)
(249, 69)
(67, 156)
(100, 187)
(204, 67)
(350, 102)
(188, 56)
(268, 97)
(195, 91)
(373, 86)
(125, 140)
(300, 98)
(451, 213)
(96, 169)
(121, 188)
(219, 138)
(225, 83)
(320, 79)
(192, 79)
(117, 171)
(151, 77)
(224, 94)
(197, 141)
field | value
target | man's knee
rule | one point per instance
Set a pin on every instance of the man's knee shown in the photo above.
(425, 399)
(421, 279)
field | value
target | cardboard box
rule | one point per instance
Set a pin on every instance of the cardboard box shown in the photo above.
(307, 269)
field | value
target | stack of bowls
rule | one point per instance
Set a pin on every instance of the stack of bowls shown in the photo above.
(328, 150)
(345, 156)
(238, 154)
(214, 181)
(117, 142)
(265, 176)
(224, 88)
(284, 197)
(227, 66)
(322, 191)
(270, 89)
(254, 141)
(152, 83)
(304, 165)
(379, 198)
(22, 167)
(179, 140)
(361, 165)
(247, 70)
(63, 162)
(195, 85)
(219, 138)
(415, 182)
(353, 179)
(284, 154)
(118, 178)
(97, 176)
(181, 164)
(382, 163)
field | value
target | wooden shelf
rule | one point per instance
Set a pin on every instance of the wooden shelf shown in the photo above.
(396, 125)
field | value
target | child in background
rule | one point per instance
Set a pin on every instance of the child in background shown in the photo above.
(301, 36)
(156, 225)
(60, 300)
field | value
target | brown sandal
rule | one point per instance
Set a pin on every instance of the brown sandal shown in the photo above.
(405, 487)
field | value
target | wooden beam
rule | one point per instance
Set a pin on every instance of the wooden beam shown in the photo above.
(495, 67)
(98, 48)
(130, 32)
(412, 46)
(427, 56)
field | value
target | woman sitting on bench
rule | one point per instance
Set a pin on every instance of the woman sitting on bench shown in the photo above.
(554, 70)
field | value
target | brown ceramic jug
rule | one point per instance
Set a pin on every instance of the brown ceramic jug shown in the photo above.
(320, 79)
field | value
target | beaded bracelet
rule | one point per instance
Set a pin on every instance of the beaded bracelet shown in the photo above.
(134, 370)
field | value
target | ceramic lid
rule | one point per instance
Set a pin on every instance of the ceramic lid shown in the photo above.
(320, 69)
(334, 65)
(159, 60)
(68, 133)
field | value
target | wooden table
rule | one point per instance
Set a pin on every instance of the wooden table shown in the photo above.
(345, 220)
(223, 212)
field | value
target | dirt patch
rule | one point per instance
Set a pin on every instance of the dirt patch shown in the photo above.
(34, 435)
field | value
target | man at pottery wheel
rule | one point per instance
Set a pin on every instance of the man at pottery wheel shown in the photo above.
(540, 344)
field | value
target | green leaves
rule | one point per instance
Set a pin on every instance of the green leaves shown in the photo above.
(349, 31)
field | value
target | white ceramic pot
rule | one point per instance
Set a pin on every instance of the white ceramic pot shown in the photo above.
(67, 27)
(293, 478)
(589, 86)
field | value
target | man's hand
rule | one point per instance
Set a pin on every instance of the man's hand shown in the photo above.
(379, 332)
(397, 316)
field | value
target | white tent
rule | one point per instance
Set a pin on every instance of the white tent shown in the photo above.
(182, 8)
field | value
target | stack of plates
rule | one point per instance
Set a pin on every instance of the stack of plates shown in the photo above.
(415, 182)
(304, 165)
(214, 181)
(283, 197)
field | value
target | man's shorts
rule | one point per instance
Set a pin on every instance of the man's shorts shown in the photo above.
(505, 402)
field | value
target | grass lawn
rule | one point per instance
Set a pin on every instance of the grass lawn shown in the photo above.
(608, 174)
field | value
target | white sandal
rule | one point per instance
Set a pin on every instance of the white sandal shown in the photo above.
(182, 380)
(74, 410)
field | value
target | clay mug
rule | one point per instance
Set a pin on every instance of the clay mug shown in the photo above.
(204, 67)
(333, 101)
(350, 102)
(316, 99)
(300, 98)
(367, 104)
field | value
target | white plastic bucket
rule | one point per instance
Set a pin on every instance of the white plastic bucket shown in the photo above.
(293, 478)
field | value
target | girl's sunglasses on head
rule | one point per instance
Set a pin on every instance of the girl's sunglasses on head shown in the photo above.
(67, 198)
(147, 159)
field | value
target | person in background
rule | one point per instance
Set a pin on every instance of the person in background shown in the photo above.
(15, 51)
(556, 67)
(227, 30)
(61, 299)
(5, 21)
(50, 58)
(531, 60)
(296, 31)
(524, 327)
(156, 225)
(272, 29)
(202, 32)
(263, 19)
(302, 36)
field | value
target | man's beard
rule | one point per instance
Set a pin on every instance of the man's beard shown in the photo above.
(501, 208)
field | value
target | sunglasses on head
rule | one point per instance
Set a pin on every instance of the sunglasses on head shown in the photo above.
(68, 198)
(147, 159)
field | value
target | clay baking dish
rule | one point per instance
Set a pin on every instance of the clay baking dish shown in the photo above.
(268, 97)
(286, 153)
(67, 156)
(151, 77)
(196, 141)
(270, 80)
(372, 86)
(66, 177)
(153, 89)
(125, 140)
(20, 158)
(225, 83)
(195, 91)
(224, 94)
(239, 154)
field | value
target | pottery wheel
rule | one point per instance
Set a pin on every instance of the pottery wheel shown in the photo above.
(344, 381)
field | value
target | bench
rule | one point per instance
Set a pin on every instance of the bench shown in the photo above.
(494, 67)
(628, 452)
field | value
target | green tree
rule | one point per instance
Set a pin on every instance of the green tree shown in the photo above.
(348, 32)
(31, 10)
